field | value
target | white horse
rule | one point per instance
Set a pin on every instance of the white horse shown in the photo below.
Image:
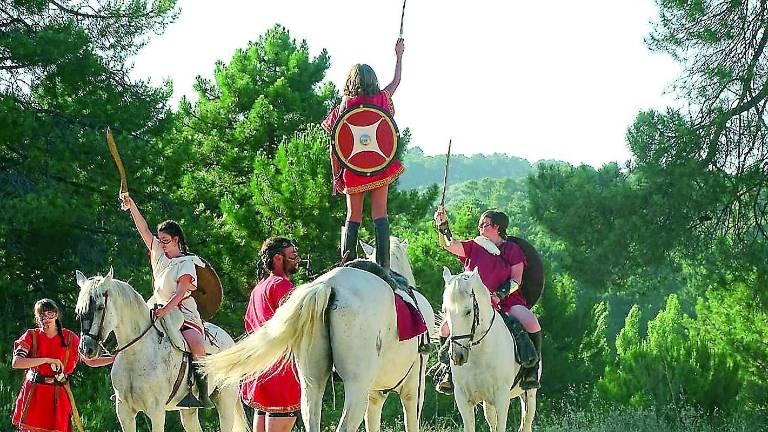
(344, 319)
(148, 366)
(482, 351)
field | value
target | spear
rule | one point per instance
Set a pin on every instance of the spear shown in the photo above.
(118, 163)
(402, 16)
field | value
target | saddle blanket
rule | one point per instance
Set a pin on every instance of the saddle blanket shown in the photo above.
(409, 320)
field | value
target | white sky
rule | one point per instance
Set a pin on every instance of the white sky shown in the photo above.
(540, 80)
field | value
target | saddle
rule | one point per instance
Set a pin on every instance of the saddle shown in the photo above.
(410, 322)
(525, 352)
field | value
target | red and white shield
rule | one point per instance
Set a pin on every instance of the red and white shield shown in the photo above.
(365, 139)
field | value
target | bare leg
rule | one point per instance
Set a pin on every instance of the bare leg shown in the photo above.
(355, 207)
(196, 343)
(259, 422)
(526, 318)
(280, 424)
(379, 202)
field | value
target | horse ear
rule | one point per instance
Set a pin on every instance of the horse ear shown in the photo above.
(368, 249)
(81, 279)
(111, 273)
(446, 274)
(475, 272)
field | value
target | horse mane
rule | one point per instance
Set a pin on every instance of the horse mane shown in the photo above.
(466, 288)
(119, 290)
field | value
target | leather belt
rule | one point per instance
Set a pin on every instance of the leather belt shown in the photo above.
(37, 378)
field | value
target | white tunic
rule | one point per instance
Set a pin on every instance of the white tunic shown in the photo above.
(166, 273)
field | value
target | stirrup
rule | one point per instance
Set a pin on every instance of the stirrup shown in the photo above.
(445, 386)
(530, 378)
(190, 401)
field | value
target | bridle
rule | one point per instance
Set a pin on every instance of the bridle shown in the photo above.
(98, 335)
(475, 322)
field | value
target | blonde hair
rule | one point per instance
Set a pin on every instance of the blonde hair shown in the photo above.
(361, 81)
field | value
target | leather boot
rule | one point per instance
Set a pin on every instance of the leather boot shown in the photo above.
(381, 226)
(530, 379)
(202, 385)
(525, 347)
(445, 382)
(349, 241)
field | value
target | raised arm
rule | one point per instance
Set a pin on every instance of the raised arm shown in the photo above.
(138, 219)
(399, 48)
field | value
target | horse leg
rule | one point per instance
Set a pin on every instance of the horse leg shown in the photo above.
(355, 404)
(191, 421)
(157, 418)
(528, 410)
(490, 416)
(466, 409)
(502, 410)
(373, 413)
(314, 368)
(126, 416)
(230, 410)
(412, 397)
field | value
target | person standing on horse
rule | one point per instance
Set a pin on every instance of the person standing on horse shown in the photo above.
(276, 395)
(500, 265)
(174, 278)
(362, 87)
(49, 352)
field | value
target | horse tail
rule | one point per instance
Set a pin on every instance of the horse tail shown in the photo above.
(289, 333)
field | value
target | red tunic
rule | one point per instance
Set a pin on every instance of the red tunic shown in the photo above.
(45, 407)
(277, 390)
(355, 183)
(495, 269)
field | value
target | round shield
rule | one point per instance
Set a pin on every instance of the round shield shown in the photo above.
(209, 293)
(533, 274)
(365, 139)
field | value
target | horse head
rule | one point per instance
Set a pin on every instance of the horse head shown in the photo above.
(398, 257)
(466, 303)
(96, 323)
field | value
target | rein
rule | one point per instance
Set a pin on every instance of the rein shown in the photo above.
(98, 335)
(475, 323)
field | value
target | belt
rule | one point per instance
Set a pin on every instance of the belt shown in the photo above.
(37, 378)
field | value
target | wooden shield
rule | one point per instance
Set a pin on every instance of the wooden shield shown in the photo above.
(365, 139)
(209, 293)
(533, 274)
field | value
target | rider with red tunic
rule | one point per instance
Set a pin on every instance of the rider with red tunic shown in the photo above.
(276, 394)
(43, 404)
(362, 87)
(500, 263)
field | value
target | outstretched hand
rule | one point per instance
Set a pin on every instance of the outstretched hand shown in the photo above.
(440, 216)
(399, 47)
(126, 202)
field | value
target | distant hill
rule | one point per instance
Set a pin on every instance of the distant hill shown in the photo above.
(422, 170)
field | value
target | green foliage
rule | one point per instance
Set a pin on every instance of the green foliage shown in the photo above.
(427, 170)
(670, 366)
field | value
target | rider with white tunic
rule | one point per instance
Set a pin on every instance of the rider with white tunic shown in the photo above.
(174, 279)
